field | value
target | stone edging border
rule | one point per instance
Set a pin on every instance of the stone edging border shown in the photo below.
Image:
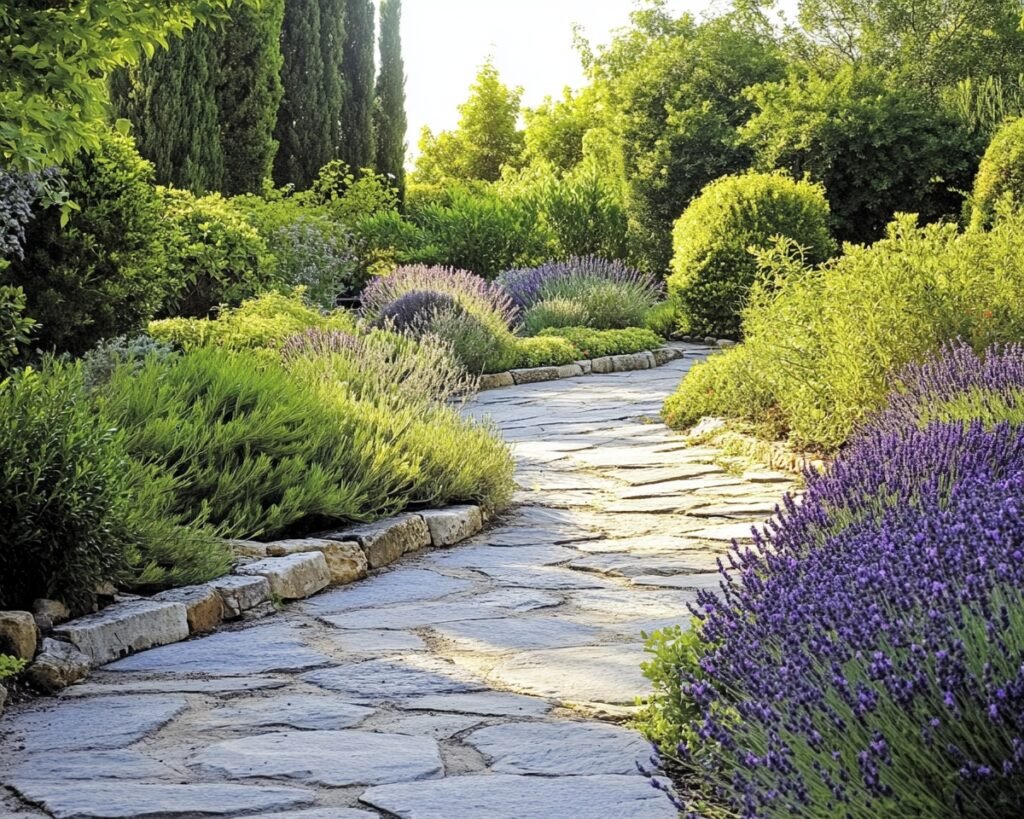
(645, 360)
(265, 574)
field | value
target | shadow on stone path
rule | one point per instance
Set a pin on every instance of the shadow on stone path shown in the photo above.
(480, 682)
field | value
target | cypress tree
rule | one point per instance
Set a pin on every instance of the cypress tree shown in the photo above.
(389, 113)
(171, 103)
(249, 93)
(304, 118)
(333, 25)
(357, 148)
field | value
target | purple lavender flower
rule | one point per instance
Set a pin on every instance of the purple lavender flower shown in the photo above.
(527, 286)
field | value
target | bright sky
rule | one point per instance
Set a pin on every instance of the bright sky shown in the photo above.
(445, 41)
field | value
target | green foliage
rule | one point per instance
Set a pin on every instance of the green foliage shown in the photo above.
(585, 214)
(877, 150)
(248, 94)
(476, 345)
(661, 319)
(99, 363)
(555, 130)
(1001, 174)
(214, 256)
(266, 321)
(308, 119)
(16, 328)
(54, 61)
(820, 343)
(390, 121)
(102, 274)
(357, 146)
(591, 343)
(487, 138)
(171, 102)
(983, 105)
(11, 666)
(75, 509)
(713, 267)
(349, 198)
(539, 351)
(557, 311)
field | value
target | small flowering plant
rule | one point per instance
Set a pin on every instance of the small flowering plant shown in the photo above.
(865, 658)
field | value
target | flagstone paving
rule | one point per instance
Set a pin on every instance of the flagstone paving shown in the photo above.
(479, 682)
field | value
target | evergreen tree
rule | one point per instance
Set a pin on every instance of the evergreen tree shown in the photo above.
(249, 93)
(357, 147)
(171, 103)
(389, 113)
(333, 26)
(303, 129)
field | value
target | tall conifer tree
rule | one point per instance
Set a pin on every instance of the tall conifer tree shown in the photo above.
(357, 148)
(390, 121)
(333, 28)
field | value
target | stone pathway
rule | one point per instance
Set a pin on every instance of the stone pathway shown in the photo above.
(480, 682)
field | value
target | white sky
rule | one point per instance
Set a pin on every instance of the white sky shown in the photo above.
(445, 41)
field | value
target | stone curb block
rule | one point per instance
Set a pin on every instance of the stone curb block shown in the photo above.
(535, 374)
(385, 541)
(124, 628)
(495, 380)
(570, 371)
(241, 594)
(346, 561)
(58, 665)
(453, 525)
(18, 634)
(602, 366)
(204, 606)
(293, 577)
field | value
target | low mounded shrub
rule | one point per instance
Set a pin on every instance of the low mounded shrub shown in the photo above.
(540, 351)
(104, 272)
(265, 321)
(661, 319)
(866, 658)
(1000, 175)
(611, 294)
(713, 266)
(598, 343)
(414, 311)
(555, 312)
(821, 343)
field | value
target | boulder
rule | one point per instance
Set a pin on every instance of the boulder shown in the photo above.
(58, 665)
(492, 381)
(663, 355)
(534, 375)
(241, 594)
(387, 540)
(602, 366)
(56, 611)
(203, 605)
(18, 634)
(247, 548)
(570, 371)
(124, 628)
(293, 577)
(453, 525)
(346, 561)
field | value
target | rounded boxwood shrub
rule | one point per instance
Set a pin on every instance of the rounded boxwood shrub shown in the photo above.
(713, 267)
(103, 273)
(1000, 174)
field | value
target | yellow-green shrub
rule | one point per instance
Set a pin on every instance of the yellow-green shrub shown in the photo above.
(1001, 173)
(597, 343)
(541, 351)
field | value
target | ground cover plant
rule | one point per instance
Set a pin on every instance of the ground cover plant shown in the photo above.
(820, 343)
(864, 658)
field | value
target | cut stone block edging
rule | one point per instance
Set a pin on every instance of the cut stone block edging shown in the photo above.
(645, 360)
(266, 573)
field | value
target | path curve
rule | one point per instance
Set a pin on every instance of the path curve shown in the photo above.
(479, 682)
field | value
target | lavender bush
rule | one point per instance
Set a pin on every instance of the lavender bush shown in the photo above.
(864, 658)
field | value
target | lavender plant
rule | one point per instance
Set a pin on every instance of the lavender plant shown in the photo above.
(864, 658)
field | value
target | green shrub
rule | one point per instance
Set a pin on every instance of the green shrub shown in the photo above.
(349, 198)
(214, 256)
(99, 363)
(713, 267)
(477, 346)
(1001, 174)
(555, 312)
(585, 214)
(540, 351)
(820, 343)
(591, 343)
(661, 319)
(265, 321)
(103, 273)
(261, 449)
(11, 666)
(76, 511)
(15, 328)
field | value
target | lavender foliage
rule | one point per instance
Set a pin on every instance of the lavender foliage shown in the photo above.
(527, 286)
(866, 656)
(18, 192)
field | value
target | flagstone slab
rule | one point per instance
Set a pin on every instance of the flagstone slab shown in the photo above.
(478, 557)
(303, 711)
(543, 577)
(377, 641)
(400, 585)
(517, 634)
(116, 684)
(561, 748)
(484, 703)
(503, 796)
(329, 758)
(84, 765)
(384, 680)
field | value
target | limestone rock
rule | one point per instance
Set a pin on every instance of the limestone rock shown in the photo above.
(663, 355)
(58, 665)
(241, 594)
(387, 540)
(453, 525)
(125, 628)
(587, 366)
(570, 371)
(247, 548)
(330, 758)
(204, 607)
(495, 380)
(346, 561)
(602, 366)
(54, 610)
(294, 577)
(533, 375)
(18, 634)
